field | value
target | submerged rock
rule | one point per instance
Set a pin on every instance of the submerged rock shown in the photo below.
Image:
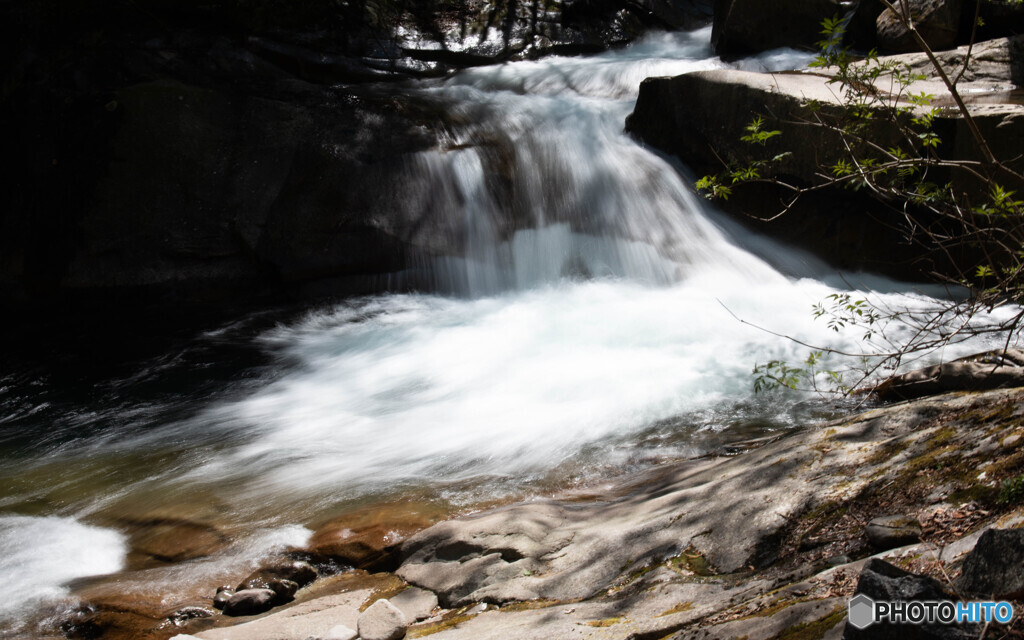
(175, 540)
(368, 539)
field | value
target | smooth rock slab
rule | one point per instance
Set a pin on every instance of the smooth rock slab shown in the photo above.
(299, 621)
(996, 565)
(339, 632)
(382, 621)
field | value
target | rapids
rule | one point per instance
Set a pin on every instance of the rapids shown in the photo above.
(589, 330)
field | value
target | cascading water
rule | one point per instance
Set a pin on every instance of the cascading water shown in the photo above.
(589, 336)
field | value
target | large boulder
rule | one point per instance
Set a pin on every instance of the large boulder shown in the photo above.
(937, 21)
(700, 117)
(995, 568)
(750, 26)
(998, 19)
(882, 581)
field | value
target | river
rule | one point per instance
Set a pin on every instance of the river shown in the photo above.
(595, 336)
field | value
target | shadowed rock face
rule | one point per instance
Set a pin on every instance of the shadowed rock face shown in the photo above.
(751, 26)
(994, 568)
(204, 150)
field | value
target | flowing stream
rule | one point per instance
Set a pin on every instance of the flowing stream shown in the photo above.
(594, 334)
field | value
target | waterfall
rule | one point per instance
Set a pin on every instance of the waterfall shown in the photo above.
(588, 327)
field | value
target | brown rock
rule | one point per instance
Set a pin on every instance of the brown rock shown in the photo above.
(369, 539)
(175, 540)
(301, 573)
(249, 602)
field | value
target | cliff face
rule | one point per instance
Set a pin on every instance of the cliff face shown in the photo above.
(202, 150)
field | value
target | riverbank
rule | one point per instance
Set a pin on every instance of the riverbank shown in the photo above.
(760, 540)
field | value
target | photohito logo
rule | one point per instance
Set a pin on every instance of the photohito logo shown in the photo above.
(864, 612)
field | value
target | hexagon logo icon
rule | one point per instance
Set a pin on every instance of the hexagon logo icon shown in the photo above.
(862, 611)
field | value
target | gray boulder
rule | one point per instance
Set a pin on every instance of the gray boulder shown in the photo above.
(415, 603)
(382, 621)
(882, 581)
(995, 568)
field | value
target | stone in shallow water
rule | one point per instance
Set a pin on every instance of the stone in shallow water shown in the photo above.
(996, 565)
(889, 532)
(224, 594)
(301, 573)
(370, 539)
(382, 621)
(249, 602)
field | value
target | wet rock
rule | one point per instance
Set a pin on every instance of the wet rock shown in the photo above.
(996, 566)
(889, 532)
(249, 602)
(880, 580)
(415, 603)
(112, 625)
(936, 20)
(297, 571)
(175, 540)
(224, 594)
(183, 615)
(283, 589)
(369, 539)
(382, 621)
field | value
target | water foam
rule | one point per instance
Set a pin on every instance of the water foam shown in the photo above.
(40, 555)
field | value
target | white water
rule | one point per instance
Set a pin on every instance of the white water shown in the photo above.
(588, 336)
(38, 555)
